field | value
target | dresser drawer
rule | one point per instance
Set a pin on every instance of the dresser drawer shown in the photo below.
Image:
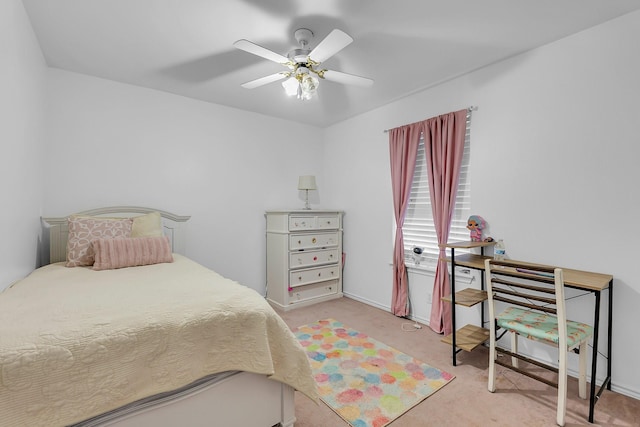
(313, 241)
(328, 222)
(312, 222)
(302, 223)
(302, 259)
(309, 292)
(313, 275)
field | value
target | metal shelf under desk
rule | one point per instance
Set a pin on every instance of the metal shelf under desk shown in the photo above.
(470, 336)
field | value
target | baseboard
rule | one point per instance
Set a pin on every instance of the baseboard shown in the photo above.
(626, 391)
(366, 301)
(383, 307)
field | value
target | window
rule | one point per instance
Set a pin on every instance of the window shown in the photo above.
(418, 229)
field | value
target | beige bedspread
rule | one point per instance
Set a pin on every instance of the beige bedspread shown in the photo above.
(75, 342)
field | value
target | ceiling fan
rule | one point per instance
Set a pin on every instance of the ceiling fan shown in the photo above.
(303, 64)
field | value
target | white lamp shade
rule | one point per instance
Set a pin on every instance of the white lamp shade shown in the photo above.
(307, 182)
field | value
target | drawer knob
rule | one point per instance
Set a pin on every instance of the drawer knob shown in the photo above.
(319, 274)
(315, 258)
(314, 240)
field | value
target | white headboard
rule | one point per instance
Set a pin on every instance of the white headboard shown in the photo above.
(173, 225)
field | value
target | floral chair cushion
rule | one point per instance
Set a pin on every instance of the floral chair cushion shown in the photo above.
(542, 327)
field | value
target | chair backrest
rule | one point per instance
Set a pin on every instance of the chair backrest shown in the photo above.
(532, 288)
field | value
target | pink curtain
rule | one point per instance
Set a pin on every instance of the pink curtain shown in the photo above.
(444, 145)
(403, 147)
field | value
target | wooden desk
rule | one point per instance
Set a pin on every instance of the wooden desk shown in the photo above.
(595, 283)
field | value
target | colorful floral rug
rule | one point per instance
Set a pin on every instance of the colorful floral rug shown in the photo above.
(366, 382)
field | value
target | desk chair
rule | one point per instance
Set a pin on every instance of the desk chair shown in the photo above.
(535, 309)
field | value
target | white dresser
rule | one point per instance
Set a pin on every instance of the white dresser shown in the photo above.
(304, 257)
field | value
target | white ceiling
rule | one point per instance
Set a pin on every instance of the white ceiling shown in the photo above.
(185, 47)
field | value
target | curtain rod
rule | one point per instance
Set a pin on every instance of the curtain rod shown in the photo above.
(469, 109)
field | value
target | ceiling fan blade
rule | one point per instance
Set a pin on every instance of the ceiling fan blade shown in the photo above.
(348, 79)
(332, 44)
(264, 80)
(255, 49)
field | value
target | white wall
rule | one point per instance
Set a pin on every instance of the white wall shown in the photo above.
(112, 144)
(554, 170)
(22, 71)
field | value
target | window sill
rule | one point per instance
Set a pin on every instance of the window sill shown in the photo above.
(428, 268)
(422, 268)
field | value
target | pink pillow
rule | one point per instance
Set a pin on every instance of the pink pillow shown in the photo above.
(82, 230)
(130, 252)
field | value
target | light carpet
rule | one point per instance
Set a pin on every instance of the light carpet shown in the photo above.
(366, 382)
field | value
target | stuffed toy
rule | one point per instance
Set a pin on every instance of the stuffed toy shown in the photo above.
(475, 224)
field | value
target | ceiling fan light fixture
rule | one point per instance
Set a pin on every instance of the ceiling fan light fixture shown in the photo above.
(301, 83)
(291, 86)
(308, 86)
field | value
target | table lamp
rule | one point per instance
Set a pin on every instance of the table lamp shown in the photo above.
(306, 183)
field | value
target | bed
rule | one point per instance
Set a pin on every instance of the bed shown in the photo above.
(159, 341)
